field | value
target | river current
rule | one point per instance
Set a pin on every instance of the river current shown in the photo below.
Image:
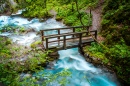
(69, 59)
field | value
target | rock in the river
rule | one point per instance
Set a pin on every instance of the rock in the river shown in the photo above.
(30, 30)
(54, 55)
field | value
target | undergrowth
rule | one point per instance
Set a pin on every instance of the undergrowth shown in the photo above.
(117, 56)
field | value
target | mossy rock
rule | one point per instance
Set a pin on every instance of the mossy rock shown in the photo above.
(58, 18)
(35, 44)
(8, 41)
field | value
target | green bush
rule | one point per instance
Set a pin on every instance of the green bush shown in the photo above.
(118, 55)
(69, 20)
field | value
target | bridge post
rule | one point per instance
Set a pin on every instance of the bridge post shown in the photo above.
(73, 31)
(80, 39)
(64, 42)
(42, 32)
(58, 37)
(46, 43)
(87, 30)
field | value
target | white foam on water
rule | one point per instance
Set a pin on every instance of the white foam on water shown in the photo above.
(24, 39)
(24, 22)
(52, 23)
(74, 61)
(37, 26)
(18, 12)
(20, 21)
(5, 34)
(4, 20)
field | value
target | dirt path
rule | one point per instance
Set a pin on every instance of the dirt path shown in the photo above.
(96, 16)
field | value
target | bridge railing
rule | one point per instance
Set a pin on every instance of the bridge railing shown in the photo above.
(59, 30)
(73, 33)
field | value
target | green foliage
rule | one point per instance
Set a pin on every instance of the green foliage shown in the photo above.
(21, 29)
(96, 50)
(66, 10)
(4, 50)
(35, 8)
(118, 55)
(69, 20)
(6, 28)
(12, 28)
(4, 6)
(115, 29)
(71, 16)
(10, 77)
(35, 44)
(10, 69)
(7, 76)
(61, 75)
(115, 20)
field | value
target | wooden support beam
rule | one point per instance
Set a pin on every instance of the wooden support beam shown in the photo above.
(64, 42)
(42, 36)
(80, 39)
(42, 32)
(46, 43)
(87, 30)
(73, 31)
(58, 36)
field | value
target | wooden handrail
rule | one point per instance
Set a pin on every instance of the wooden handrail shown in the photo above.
(65, 34)
(65, 28)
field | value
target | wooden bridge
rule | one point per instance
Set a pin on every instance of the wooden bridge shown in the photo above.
(67, 37)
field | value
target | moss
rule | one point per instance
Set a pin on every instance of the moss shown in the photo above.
(35, 44)
(22, 29)
(8, 41)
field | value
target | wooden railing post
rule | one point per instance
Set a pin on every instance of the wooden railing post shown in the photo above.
(80, 39)
(58, 37)
(87, 30)
(96, 34)
(42, 32)
(73, 31)
(47, 43)
(64, 42)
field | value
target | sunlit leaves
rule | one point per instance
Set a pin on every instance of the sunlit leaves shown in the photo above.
(28, 1)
